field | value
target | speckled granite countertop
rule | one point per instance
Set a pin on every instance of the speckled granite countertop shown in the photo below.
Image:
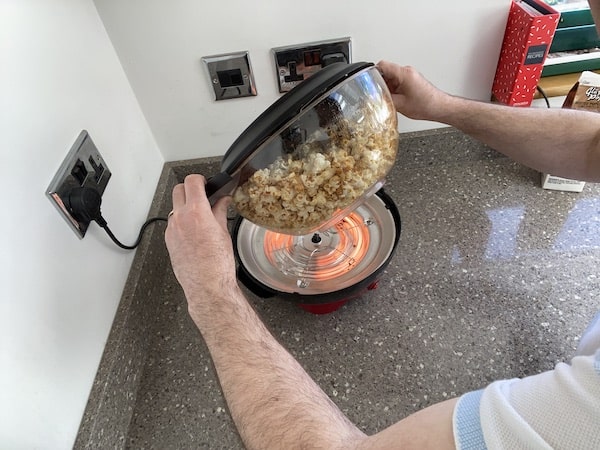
(493, 278)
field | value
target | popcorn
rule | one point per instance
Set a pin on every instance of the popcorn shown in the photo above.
(301, 191)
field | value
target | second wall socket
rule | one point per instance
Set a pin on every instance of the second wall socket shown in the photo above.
(230, 75)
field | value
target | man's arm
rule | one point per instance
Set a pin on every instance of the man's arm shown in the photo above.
(558, 141)
(272, 400)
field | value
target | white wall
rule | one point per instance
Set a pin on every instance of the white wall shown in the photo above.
(455, 43)
(58, 75)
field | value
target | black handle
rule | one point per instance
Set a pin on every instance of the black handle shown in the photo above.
(218, 186)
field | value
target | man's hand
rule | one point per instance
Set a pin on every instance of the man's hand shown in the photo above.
(199, 244)
(413, 95)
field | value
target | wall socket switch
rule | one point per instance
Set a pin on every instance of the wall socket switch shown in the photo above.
(295, 63)
(82, 167)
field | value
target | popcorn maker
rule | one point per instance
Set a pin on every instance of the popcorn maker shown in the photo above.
(306, 179)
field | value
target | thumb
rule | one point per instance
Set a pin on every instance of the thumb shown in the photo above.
(220, 210)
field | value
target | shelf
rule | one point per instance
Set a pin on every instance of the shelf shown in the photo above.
(559, 85)
(571, 62)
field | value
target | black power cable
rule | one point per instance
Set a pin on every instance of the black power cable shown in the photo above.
(140, 236)
(543, 94)
(84, 204)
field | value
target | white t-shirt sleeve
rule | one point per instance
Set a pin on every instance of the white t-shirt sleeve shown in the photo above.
(553, 410)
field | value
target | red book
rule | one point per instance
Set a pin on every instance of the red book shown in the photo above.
(529, 32)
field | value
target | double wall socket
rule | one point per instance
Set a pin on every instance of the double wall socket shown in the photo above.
(230, 75)
(295, 63)
(83, 167)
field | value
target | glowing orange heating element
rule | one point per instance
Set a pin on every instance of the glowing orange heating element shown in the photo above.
(323, 255)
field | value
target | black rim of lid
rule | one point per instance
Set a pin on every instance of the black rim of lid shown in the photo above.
(285, 110)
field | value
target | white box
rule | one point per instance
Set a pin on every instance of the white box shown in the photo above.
(561, 184)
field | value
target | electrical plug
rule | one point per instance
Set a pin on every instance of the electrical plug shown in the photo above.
(84, 204)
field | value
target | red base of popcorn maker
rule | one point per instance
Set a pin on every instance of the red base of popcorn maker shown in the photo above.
(306, 179)
(323, 270)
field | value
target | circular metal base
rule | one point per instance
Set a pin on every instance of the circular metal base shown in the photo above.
(346, 255)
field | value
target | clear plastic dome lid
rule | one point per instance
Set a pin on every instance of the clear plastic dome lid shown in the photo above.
(337, 142)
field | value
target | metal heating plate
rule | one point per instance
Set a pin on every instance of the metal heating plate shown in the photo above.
(323, 262)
